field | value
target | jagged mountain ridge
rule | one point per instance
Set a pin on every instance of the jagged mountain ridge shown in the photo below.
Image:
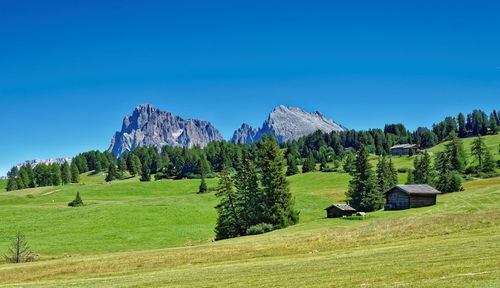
(148, 126)
(287, 123)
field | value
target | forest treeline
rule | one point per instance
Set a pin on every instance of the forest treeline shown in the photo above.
(177, 162)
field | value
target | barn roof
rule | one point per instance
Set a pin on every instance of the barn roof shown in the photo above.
(404, 146)
(343, 207)
(415, 189)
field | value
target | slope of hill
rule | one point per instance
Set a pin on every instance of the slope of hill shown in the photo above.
(160, 234)
(148, 126)
(286, 123)
(454, 243)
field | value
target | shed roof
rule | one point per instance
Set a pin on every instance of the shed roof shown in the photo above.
(404, 146)
(415, 189)
(343, 207)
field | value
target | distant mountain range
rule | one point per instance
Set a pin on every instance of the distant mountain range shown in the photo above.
(33, 163)
(148, 126)
(287, 123)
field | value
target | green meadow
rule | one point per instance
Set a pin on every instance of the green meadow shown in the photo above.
(161, 234)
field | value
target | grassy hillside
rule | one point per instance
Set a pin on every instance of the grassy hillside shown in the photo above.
(491, 142)
(160, 234)
(452, 244)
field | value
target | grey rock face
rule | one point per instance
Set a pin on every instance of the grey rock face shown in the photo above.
(35, 162)
(287, 123)
(148, 126)
(246, 134)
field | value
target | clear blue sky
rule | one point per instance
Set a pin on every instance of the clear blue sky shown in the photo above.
(70, 70)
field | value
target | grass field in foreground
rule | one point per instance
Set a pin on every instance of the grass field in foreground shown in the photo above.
(453, 244)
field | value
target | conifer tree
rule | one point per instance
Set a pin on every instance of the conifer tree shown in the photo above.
(112, 173)
(55, 170)
(65, 173)
(478, 150)
(75, 173)
(292, 168)
(12, 179)
(279, 200)
(488, 162)
(384, 177)
(203, 185)
(253, 200)
(456, 153)
(349, 163)
(228, 221)
(448, 180)
(134, 165)
(422, 173)
(309, 164)
(363, 193)
(19, 250)
(98, 167)
(122, 167)
(146, 170)
(493, 123)
(462, 129)
(77, 202)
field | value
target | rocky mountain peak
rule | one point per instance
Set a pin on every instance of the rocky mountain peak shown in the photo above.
(149, 126)
(287, 123)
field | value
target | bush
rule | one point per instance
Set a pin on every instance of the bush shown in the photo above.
(403, 170)
(77, 202)
(260, 229)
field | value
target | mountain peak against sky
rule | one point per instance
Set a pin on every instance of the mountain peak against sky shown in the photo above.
(149, 126)
(287, 123)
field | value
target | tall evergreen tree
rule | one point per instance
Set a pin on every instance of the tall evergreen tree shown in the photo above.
(292, 168)
(363, 193)
(253, 200)
(275, 185)
(462, 129)
(134, 165)
(55, 171)
(112, 173)
(75, 173)
(228, 221)
(393, 173)
(309, 164)
(203, 185)
(122, 167)
(456, 152)
(422, 173)
(349, 163)
(478, 150)
(12, 179)
(385, 178)
(146, 170)
(493, 123)
(65, 173)
(448, 180)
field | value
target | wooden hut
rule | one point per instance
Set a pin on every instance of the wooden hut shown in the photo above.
(339, 210)
(403, 149)
(402, 197)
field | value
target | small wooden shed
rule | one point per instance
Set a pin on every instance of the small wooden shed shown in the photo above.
(339, 210)
(403, 149)
(402, 197)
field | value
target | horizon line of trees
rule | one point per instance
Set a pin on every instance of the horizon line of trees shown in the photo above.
(318, 148)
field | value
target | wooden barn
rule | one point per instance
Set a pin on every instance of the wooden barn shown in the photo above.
(402, 197)
(403, 149)
(339, 210)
